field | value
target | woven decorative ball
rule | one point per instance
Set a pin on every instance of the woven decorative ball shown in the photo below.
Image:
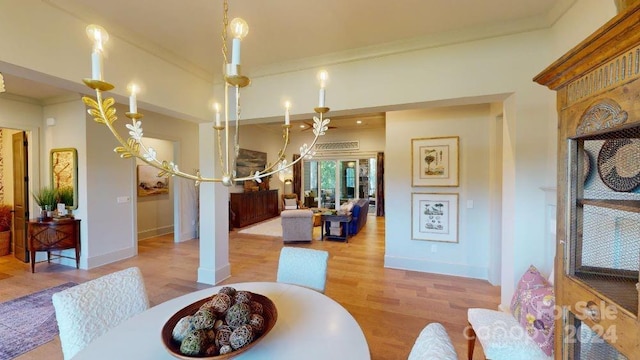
(225, 349)
(256, 308)
(182, 328)
(228, 290)
(242, 336)
(243, 297)
(219, 303)
(212, 350)
(194, 343)
(211, 335)
(223, 335)
(217, 324)
(203, 319)
(238, 315)
(257, 323)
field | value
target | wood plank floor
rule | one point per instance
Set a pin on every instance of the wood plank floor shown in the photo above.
(391, 306)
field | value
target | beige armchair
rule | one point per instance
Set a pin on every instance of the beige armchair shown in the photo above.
(291, 202)
(297, 225)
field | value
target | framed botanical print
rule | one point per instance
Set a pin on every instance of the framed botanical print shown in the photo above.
(434, 161)
(434, 217)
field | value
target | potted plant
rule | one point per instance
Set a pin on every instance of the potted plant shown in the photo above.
(46, 198)
(6, 215)
(65, 196)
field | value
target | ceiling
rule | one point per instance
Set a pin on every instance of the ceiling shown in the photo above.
(291, 34)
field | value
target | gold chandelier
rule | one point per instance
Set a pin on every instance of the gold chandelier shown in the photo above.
(104, 112)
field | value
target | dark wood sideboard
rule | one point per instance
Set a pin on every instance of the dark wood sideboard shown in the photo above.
(255, 206)
(53, 235)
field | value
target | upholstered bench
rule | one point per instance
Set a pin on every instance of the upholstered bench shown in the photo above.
(501, 336)
(527, 332)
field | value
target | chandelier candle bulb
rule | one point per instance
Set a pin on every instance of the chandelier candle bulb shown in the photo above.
(239, 29)
(216, 106)
(133, 102)
(323, 83)
(99, 36)
(287, 105)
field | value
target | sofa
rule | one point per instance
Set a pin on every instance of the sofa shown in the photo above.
(359, 210)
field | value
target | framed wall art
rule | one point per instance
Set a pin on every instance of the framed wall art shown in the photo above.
(434, 161)
(249, 161)
(434, 217)
(149, 183)
(64, 175)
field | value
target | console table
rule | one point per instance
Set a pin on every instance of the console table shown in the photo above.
(56, 234)
(254, 206)
(344, 224)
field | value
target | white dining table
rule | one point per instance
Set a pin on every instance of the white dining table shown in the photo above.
(310, 325)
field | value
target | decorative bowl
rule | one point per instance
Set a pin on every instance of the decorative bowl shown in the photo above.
(269, 313)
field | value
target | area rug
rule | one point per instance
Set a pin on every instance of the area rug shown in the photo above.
(271, 227)
(28, 322)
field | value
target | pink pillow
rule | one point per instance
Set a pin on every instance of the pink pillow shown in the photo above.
(531, 279)
(537, 316)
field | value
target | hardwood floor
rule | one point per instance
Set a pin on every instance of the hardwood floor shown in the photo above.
(392, 306)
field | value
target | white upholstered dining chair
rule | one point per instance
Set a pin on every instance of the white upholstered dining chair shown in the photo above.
(305, 267)
(86, 311)
(433, 343)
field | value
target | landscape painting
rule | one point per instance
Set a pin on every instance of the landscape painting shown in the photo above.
(249, 161)
(149, 183)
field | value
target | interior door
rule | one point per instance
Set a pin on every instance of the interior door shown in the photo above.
(20, 196)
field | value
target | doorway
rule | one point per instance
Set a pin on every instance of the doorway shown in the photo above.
(155, 196)
(329, 183)
(16, 159)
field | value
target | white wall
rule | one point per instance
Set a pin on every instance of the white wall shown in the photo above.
(470, 255)
(69, 115)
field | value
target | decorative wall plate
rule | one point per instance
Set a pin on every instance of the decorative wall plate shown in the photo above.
(619, 164)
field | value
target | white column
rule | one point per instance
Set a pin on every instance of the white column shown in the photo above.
(214, 216)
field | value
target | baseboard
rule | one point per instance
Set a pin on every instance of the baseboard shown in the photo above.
(209, 276)
(189, 235)
(149, 233)
(474, 272)
(108, 258)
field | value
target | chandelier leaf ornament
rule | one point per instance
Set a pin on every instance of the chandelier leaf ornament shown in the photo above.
(103, 112)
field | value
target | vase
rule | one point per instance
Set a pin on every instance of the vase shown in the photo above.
(46, 212)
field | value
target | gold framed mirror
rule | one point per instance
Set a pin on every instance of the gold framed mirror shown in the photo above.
(64, 175)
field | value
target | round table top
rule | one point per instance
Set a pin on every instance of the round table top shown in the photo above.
(310, 325)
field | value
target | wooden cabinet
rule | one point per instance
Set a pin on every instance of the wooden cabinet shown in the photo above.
(53, 235)
(598, 208)
(255, 206)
